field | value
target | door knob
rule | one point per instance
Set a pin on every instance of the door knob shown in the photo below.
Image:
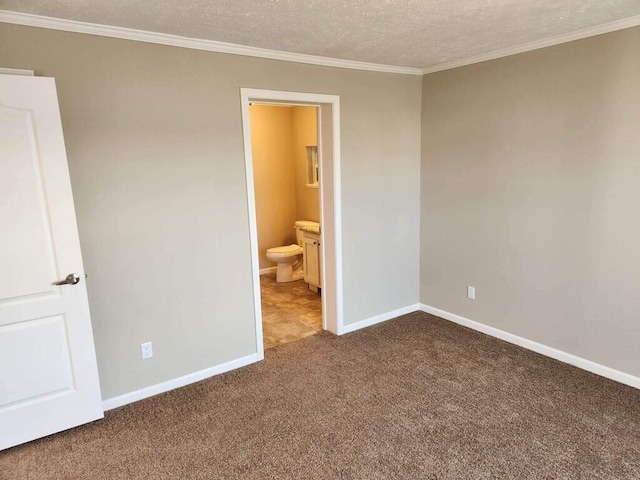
(71, 279)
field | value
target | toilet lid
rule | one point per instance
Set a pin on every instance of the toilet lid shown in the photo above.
(293, 248)
(307, 223)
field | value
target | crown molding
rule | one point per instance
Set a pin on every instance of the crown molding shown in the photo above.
(547, 42)
(31, 20)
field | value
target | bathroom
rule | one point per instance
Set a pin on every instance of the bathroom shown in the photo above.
(284, 141)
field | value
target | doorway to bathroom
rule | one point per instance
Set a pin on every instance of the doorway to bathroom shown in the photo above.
(284, 144)
(292, 161)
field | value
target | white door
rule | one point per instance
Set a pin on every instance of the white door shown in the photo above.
(48, 371)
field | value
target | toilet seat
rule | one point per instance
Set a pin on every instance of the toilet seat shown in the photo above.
(287, 251)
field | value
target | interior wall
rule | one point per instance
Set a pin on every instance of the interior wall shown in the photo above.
(154, 141)
(530, 193)
(274, 177)
(305, 133)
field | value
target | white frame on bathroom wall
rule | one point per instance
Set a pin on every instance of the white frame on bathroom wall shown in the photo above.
(330, 201)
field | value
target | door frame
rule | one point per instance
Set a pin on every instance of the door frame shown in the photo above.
(330, 200)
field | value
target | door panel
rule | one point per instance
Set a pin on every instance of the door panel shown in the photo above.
(48, 372)
(28, 256)
(42, 346)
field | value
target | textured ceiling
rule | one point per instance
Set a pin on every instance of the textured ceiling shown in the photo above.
(410, 33)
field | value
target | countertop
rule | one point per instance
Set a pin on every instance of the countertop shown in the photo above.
(314, 230)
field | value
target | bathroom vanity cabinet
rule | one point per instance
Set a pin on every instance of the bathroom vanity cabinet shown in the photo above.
(312, 256)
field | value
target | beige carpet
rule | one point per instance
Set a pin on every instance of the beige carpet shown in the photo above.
(414, 398)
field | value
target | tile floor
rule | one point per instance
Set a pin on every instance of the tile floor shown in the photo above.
(290, 311)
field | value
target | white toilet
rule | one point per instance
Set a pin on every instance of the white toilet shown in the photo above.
(289, 258)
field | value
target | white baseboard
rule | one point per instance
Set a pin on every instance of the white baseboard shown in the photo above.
(162, 387)
(565, 357)
(268, 270)
(16, 71)
(367, 322)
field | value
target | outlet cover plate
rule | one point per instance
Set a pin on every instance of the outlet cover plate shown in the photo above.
(146, 350)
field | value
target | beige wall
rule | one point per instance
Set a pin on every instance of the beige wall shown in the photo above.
(154, 141)
(274, 175)
(305, 133)
(530, 174)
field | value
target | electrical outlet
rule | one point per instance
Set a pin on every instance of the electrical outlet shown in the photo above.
(146, 350)
(471, 292)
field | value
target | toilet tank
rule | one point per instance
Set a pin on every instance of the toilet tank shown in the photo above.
(303, 223)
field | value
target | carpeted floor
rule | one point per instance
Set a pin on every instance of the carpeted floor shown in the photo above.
(413, 398)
